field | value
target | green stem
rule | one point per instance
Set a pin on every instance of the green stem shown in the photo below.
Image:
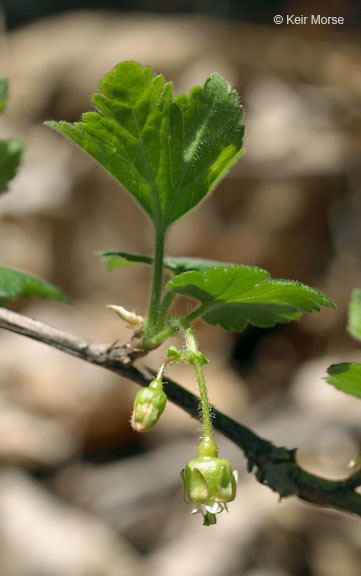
(172, 325)
(197, 363)
(154, 338)
(154, 306)
(196, 313)
(166, 302)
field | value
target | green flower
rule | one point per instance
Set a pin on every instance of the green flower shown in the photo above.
(149, 404)
(209, 484)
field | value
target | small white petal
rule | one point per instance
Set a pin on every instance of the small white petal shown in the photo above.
(197, 509)
(214, 508)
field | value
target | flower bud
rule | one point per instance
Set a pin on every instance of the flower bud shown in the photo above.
(209, 483)
(149, 404)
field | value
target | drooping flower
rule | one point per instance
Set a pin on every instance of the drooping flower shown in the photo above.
(209, 484)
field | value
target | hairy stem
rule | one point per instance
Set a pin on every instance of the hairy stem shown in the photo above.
(196, 313)
(157, 338)
(196, 361)
(152, 324)
(166, 302)
(154, 338)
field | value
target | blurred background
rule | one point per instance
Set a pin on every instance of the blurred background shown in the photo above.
(80, 493)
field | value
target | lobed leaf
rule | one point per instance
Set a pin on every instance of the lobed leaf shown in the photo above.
(113, 260)
(354, 315)
(4, 89)
(168, 153)
(10, 157)
(234, 296)
(15, 284)
(346, 377)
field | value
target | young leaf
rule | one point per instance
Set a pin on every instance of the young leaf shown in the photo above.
(10, 157)
(15, 284)
(10, 150)
(354, 315)
(237, 295)
(3, 93)
(345, 377)
(113, 260)
(168, 153)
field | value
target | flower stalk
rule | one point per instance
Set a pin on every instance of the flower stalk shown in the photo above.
(197, 360)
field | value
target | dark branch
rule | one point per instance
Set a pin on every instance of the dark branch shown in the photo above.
(275, 466)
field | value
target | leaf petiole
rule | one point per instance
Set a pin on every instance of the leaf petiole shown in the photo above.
(153, 320)
(174, 323)
(166, 302)
(196, 313)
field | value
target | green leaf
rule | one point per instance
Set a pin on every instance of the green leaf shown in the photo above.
(3, 93)
(354, 315)
(10, 150)
(113, 260)
(346, 377)
(237, 295)
(10, 157)
(15, 284)
(168, 153)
